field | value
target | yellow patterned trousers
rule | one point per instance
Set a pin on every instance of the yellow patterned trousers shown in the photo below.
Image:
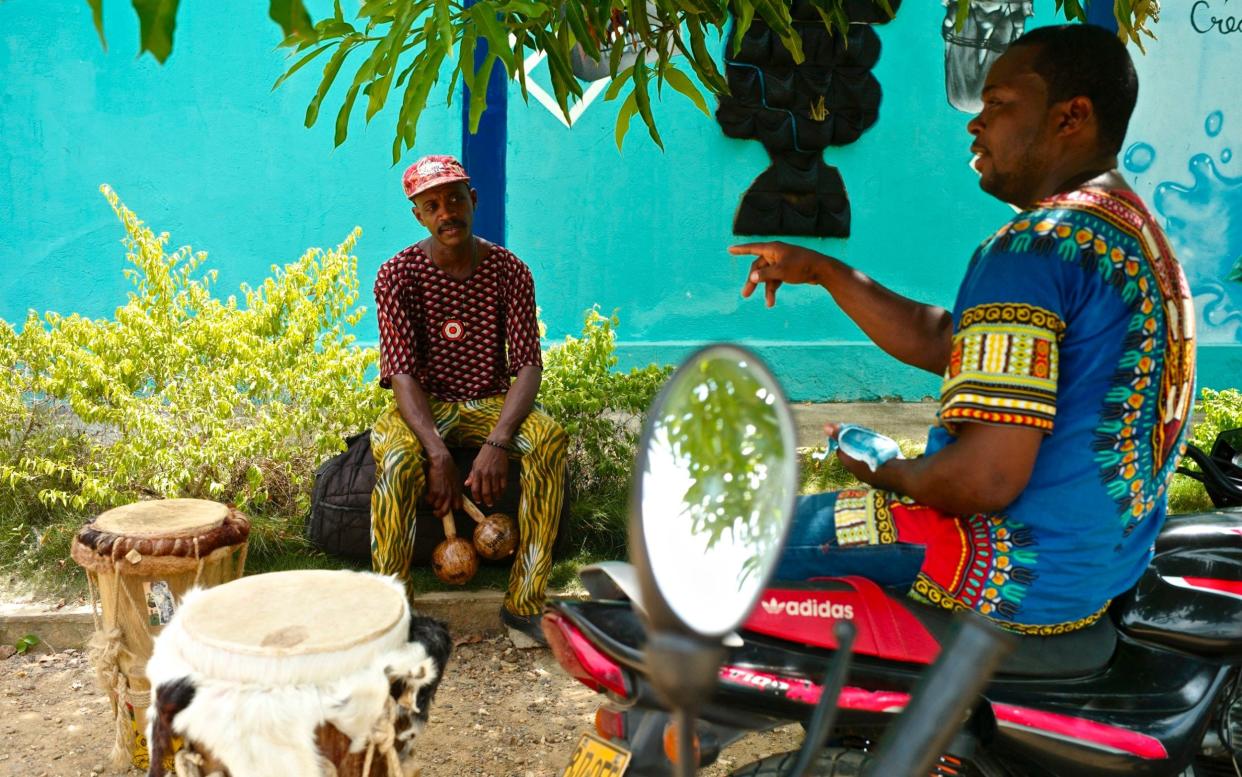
(400, 481)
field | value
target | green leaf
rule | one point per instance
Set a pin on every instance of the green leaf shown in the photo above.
(330, 70)
(97, 17)
(292, 17)
(614, 88)
(681, 83)
(342, 117)
(628, 109)
(444, 23)
(703, 63)
(742, 23)
(27, 642)
(478, 95)
(298, 65)
(564, 82)
(640, 22)
(577, 23)
(644, 102)
(465, 57)
(484, 16)
(963, 13)
(156, 22)
(616, 54)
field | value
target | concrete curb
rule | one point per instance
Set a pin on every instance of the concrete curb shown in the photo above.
(467, 613)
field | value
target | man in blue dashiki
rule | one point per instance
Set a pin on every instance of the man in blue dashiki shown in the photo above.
(1068, 366)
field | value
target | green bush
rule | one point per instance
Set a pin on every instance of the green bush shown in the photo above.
(184, 394)
(1221, 411)
(180, 394)
(601, 411)
(1218, 411)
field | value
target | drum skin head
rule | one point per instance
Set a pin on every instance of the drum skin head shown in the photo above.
(296, 613)
(163, 518)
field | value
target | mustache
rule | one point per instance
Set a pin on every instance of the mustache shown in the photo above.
(447, 224)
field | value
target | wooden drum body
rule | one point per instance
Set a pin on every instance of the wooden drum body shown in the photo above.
(140, 560)
(309, 672)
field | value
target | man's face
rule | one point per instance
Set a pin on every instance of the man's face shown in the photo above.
(447, 212)
(1014, 131)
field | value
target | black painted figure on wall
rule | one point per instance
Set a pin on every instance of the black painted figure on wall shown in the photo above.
(798, 110)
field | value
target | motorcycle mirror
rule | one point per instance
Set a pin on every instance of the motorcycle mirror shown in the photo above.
(713, 492)
(710, 505)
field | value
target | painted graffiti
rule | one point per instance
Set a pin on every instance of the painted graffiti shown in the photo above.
(1204, 19)
(1203, 220)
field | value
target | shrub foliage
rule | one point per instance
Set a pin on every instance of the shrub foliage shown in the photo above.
(182, 393)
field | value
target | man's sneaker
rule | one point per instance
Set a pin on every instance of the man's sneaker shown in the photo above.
(524, 630)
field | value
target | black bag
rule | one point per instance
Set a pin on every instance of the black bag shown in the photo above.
(340, 517)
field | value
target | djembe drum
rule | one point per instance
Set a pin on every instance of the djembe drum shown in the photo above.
(140, 560)
(309, 672)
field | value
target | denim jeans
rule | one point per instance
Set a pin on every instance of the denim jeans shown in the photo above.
(812, 550)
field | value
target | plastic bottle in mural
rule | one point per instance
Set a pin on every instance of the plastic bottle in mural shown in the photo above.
(798, 110)
(1204, 224)
(990, 26)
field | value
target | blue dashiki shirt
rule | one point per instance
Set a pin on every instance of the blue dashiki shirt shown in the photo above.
(1074, 319)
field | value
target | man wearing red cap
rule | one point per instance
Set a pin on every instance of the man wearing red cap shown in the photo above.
(459, 347)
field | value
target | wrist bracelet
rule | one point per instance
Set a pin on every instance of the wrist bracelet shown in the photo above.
(495, 444)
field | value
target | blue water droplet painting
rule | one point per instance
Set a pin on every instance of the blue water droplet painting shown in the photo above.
(1215, 121)
(1139, 157)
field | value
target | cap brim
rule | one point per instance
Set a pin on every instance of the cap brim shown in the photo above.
(434, 182)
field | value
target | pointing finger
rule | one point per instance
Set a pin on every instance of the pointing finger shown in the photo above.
(753, 249)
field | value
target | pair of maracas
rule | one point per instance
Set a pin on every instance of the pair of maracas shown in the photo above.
(456, 560)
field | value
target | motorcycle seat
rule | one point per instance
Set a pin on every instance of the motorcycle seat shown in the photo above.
(1076, 654)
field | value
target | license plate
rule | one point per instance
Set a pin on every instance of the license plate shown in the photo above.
(595, 757)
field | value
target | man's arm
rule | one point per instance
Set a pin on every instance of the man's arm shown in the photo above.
(443, 490)
(911, 332)
(491, 466)
(984, 471)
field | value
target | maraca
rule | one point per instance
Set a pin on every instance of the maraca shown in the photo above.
(495, 535)
(454, 561)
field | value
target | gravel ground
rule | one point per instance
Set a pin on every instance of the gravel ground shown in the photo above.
(500, 712)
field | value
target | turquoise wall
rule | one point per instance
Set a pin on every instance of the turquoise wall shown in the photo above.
(203, 149)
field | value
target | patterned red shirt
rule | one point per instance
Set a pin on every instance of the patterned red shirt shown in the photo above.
(451, 335)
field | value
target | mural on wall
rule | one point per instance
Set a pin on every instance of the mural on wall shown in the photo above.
(1204, 224)
(989, 28)
(1181, 155)
(797, 111)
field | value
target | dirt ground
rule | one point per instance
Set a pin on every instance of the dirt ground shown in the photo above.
(500, 712)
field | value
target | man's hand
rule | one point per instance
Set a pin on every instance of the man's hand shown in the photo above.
(443, 489)
(983, 471)
(858, 469)
(488, 475)
(778, 263)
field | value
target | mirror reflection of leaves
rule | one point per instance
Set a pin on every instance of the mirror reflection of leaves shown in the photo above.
(724, 431)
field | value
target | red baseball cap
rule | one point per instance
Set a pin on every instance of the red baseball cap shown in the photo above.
(430, 172)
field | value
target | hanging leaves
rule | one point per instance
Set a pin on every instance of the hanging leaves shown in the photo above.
(156, 21)
(410, 45)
